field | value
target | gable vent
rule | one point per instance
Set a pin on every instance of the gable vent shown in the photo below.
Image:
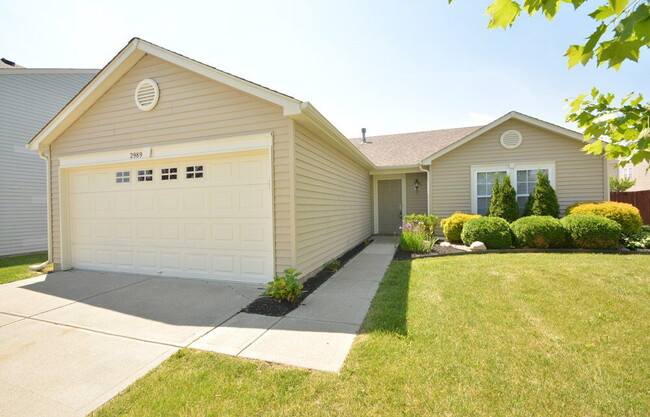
(510, 139)
(146, 94)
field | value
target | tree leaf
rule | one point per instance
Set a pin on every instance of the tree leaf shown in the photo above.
(618, 5)
(602, 13)
(503, 13)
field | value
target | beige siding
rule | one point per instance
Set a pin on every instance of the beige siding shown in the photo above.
(191, 107)
(333, 201)
(579, 177)
(416, 201)
(641, 175)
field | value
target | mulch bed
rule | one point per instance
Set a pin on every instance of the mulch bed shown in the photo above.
(436, 250)
(268, 306)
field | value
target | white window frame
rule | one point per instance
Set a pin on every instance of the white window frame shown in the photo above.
(511, 169)
(628, 171)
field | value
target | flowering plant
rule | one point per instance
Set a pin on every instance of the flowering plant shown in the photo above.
(415, 236)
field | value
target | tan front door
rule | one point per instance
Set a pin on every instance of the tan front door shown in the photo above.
(389, 200)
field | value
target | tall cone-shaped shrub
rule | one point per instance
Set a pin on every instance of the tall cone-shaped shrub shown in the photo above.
(504, 201)
(543, 200)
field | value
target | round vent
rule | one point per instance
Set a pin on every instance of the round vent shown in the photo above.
(146, 94)
(510, 139)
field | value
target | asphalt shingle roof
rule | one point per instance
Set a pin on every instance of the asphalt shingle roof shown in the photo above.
(409, 148)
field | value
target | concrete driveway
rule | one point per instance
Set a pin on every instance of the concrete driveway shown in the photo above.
(70, 341)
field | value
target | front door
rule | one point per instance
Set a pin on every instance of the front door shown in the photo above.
(389, 200)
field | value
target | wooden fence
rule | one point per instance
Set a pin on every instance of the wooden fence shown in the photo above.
(639, 199)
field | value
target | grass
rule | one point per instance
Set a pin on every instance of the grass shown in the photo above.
(14, 268)
(489, 335)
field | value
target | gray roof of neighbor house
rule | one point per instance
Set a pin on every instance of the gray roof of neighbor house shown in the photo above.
(409, 148)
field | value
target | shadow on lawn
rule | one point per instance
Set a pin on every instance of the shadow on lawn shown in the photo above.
(390, 306)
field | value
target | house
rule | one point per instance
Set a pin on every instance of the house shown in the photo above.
(163, 165)
(640, 173)
(29, 98)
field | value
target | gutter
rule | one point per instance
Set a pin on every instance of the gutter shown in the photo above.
(420, 166)
(46, 157)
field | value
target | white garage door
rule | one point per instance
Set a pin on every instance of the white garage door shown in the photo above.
(205, 217)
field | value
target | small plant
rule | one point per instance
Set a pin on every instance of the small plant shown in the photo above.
(621, 184)
(494, 232)
(638, 241)
(367, 242)
(543, 200)
(624, 214)
(334, 265)
(504, 200)
(452, 226)
(428, 221)
(413, 237)
(286, 288)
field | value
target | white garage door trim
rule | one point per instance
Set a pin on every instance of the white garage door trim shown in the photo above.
(203, 148)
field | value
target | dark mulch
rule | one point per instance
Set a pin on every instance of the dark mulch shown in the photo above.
(268, 306)
(401, 255)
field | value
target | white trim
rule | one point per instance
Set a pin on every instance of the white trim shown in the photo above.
(428, 172)
(512, 115)
(406, 169)
(177, 150)
(607, 190)
(156, 94)
(48, 193)
(511, 169)
(375, 195)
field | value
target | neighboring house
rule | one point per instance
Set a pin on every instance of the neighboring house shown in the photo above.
(163, 165)
(639, 173)
(29, 98)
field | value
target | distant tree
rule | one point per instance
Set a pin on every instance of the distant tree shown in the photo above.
(617, 129)
(621, 184)
(504, 200)
(543, 200)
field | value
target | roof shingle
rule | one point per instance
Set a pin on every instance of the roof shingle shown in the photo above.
(409, 148)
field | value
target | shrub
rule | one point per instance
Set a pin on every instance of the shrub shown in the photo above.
(286, 288)
(543, 200)
(413, 237)
(504, 200)
(452, 226)
(624, 214)
(333, 265)
(429, 223)
(621, 184)
(538, 232)
(590, 231)
(494, 232)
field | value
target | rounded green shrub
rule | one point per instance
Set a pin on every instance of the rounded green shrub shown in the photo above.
(452, 226)
(591, 231)
(624, 214)
(494, 232)
(538, 232)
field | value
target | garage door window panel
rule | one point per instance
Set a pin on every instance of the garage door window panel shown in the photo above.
(194, 171)
(169, 174)
(145, 175)
(122, 177)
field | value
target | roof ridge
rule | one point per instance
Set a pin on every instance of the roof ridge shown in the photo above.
(421, 131)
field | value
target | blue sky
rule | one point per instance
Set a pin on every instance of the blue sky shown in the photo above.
(391, 66)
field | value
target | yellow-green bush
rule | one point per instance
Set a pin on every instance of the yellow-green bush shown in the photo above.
(452, 226)
(624, 214)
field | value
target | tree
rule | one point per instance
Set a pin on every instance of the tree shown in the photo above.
(619, 130)
(543, 200)
(504, 200)
(621, 184)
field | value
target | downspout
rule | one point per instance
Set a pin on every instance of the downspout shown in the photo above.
(48, 193)
(428, 188)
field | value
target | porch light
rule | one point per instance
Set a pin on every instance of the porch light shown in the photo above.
(416, 185)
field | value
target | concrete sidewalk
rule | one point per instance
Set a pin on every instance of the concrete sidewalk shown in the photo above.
(320, 332)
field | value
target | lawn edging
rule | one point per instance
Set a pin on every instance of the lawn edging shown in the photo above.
(401, 255)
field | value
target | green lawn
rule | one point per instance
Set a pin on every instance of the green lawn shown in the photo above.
(14, 268)
(495, 335)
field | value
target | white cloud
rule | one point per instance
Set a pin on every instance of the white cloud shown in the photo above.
(480, 118)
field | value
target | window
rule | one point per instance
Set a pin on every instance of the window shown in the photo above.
(522, 176)
(122, 177)
(145, 175)
(627, 171)
(169, 174)
(484, 184)
(195, 171)
(526, 182)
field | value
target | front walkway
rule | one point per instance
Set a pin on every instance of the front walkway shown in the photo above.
(320, 332)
